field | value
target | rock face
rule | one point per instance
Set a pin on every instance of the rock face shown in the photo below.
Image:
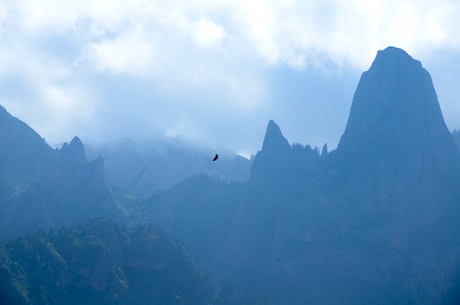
(276, 183)
(374, 222)
(395, 122)
(45, 188)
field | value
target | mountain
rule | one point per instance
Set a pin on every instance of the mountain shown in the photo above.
(142, 169)
(197, 211)
(373, 222)
(395, 127)
(41, 187)
(276, 183)
(100, 262)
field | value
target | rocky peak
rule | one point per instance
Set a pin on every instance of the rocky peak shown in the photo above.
(274, 139)
(395, 119)
(273, 157)
(74, 151)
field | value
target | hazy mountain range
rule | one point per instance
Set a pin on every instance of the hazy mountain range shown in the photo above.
(142, 169)
(376, 221)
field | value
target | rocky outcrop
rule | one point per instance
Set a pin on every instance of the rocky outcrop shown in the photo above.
(277, 181)
(395, 124)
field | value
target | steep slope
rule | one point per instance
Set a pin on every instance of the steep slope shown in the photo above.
(395, 125)
(276, 184)
(22, 148)
(396, 150)
(41, 187)
(100, 263)
(374, 222)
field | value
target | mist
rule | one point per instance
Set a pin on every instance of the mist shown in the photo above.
(230, 153)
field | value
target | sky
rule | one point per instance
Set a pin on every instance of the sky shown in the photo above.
(211, 72)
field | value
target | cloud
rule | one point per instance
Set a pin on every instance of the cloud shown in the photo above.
(293, 33)
(193, 64)
(207, 32)
(272, 27)
(128, 53)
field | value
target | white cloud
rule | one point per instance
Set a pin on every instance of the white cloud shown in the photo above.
(200, 53)
(3, 11)
(207, 32)
(277, 32)
(346, 32)
(130, 53)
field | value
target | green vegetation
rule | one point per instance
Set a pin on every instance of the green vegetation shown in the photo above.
(101, 262)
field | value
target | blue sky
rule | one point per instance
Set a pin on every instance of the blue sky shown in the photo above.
(212, 72)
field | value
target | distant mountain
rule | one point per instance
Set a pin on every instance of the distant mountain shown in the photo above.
(374, 222)
(41, 187)
(145, 168)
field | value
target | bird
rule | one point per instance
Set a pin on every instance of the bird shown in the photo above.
(215, 157)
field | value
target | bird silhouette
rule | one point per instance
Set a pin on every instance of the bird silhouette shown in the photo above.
(215, 157)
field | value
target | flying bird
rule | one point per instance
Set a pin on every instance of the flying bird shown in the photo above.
(215, 157)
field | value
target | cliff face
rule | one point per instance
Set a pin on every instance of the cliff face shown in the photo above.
(395, 123)
(396, 149)
(276, 185)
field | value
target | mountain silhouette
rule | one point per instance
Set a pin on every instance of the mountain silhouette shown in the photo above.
(41, 187)
(395, 122)
(374, 221)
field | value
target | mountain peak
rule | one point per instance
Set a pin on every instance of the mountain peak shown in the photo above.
(76, 144)
(74, 151)
(395, 55)
(274, 139)
(395, 112)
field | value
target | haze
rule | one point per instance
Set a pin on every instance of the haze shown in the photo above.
(210, 72)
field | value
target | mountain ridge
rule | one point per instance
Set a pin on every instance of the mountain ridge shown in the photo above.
(41, 187)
